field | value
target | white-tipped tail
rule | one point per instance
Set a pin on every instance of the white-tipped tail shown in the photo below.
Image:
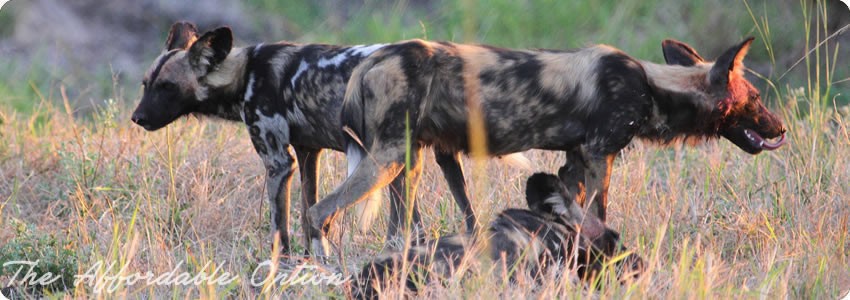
(517, 160)
(353, 154)
(367, 210)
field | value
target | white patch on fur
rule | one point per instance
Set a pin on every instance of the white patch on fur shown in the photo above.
(353, 155)
(517, 160)
(249, 90)
(334, 61)
(225, 75)
(359, 50)
(257, 48)
(301, 68)
(363, 50)
(557, 202)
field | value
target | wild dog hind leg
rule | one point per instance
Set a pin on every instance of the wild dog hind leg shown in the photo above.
(375, 171)
(453, 172)
(308, 161)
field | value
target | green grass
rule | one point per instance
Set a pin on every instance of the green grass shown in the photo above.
(712, 222)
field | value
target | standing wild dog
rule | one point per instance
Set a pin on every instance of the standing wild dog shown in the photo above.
(588, 102)
(553, 232)
(286, 94)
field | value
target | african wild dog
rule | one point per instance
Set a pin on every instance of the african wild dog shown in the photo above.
(286, 94)
(553, 232)
(588, 102)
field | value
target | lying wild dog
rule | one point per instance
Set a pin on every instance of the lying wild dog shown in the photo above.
(554, 232)
(286, 94)
(588, 102)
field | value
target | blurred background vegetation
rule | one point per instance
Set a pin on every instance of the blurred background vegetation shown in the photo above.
(98, 50)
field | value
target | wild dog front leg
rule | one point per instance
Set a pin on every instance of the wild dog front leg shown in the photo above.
(597, 176)
(586, 176)
(399, 194)
(453, 172)
(572, 175)
(279, 169)
(308, 162)
(375, 171)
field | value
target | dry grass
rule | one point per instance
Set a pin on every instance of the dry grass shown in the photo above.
(711, 220)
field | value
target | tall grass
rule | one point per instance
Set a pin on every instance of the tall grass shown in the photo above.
(711, 221)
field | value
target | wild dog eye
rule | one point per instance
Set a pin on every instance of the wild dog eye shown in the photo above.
(167, 86)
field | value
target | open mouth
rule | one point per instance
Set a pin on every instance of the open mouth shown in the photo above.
(760, 143)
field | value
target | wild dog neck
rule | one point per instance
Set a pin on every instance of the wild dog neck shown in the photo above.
(681, 104)
(221, 92)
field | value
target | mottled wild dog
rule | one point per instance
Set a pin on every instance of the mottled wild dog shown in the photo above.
(286, 94)
(588, 102)
(554, 232)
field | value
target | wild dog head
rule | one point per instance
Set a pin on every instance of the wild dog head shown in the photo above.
(738, 113)
(179, 79)
(547, 196)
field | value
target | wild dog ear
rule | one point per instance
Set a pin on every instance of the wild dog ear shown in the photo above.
(540, 187)
(181, 35)
(210, 50)
(732, 61)
(678, 53)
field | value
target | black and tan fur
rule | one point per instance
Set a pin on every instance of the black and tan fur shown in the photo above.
(553, 233)
(288, 95)
(589, 103)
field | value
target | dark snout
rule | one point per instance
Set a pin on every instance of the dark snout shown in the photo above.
(756, 133)
(155, 112)
(141, 119)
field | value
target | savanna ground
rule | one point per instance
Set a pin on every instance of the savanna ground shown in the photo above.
(80, 184)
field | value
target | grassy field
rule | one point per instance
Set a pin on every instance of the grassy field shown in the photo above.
(713, 222)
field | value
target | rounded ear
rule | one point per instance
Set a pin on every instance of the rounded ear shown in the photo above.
(181, 35)
(538, 188)
(210, 50)
(731, 61)
(678, 53)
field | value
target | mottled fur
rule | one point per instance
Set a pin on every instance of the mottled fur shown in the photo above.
(590, 103)
(287, 94)
(553, 233)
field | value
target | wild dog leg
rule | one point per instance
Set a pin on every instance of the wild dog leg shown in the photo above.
(279, 169)
(453, 172)
(398, 205)
(597, 177)
(586, 177)
(572, 175)
(308, 161)
(375, 171)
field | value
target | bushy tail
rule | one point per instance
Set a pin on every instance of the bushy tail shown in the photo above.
(353, 112)
(355, 137)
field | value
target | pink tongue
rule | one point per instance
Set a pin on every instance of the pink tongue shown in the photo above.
(773, 146)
